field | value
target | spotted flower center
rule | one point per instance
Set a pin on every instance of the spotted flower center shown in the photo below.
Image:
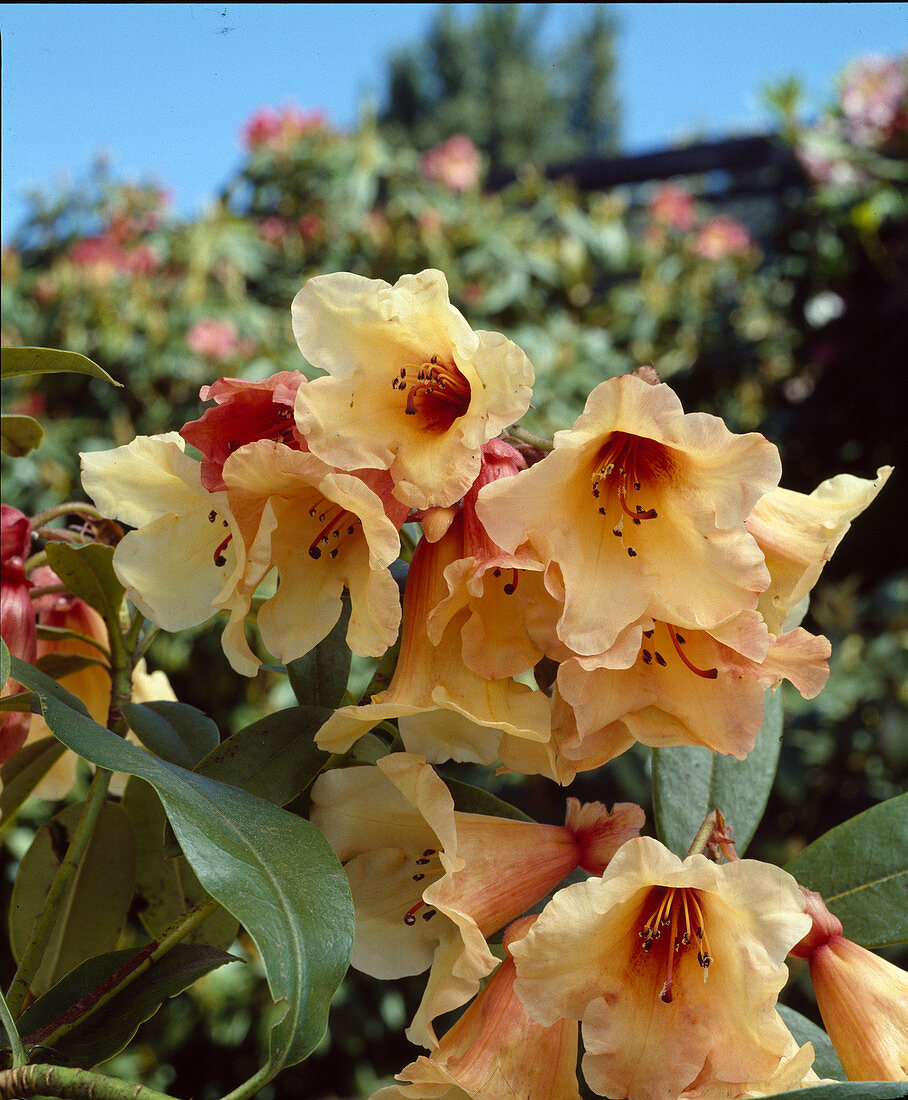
(426, 868)
(437, 393)
(624, 465)
(675, 925)
(335, 524)
(655, 653)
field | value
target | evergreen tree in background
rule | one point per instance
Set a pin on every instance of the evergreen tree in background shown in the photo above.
(494, 80)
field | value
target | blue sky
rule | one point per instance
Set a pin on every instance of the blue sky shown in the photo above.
(164, 89)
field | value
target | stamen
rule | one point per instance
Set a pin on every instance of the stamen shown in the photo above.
(511, 587)
(331, 530)
(677, 642)
(436, 379)
(668, 913)
(410, 915)
(219, 558)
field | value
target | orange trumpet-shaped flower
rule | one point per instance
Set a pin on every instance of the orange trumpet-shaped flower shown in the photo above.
(639, 511)
(411, 387)
(496, 1051)
(673, 967)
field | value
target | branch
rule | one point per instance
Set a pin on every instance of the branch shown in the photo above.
(70, 1084)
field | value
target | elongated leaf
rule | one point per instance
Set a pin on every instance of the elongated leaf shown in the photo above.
(19, 434)
(319, 678)
(846, 1090)
(20, 776)
(4, 663)
(59, 665)
(21, 701)
(108, 1030)
(861, 870)
(174, 731)
(690, 781)
(275, 872)
(88, 572)
(274, 758)
(15, 362)
(95, 911)
(474, 800)
(167, 888)
(826, 1063)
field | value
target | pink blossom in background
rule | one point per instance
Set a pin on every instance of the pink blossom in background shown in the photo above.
(213, 339)
(874, 92)
(722, 236)
(310, 227)
(273, 229)
(454, 163)
(106, 256)
(673, 205)
(279, 130)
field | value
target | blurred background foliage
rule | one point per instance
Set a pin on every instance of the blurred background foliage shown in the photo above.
(781, 308)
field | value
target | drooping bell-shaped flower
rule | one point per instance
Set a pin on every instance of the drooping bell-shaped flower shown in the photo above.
(673, 967)
(639, 511)
(17, 617)
(429, 884)
(411, 388)
(495, 1050)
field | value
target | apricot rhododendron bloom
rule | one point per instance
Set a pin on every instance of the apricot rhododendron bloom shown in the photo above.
(639, 510)
(244, 412)
(411, 387)
(673, 967)
(798, 533)
(496, 1051)
(323, 530)
(444, 709)
(430, 884)
(690, 687)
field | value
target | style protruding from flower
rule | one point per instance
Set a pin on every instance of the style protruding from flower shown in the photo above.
(411, 388)
(673, 967)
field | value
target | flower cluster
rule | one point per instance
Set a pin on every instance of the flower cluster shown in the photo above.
(642, 579)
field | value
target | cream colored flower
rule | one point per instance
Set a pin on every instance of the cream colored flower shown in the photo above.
(411, 387)
(798, 534)
(639, 511)
(674, 968)
(430, 884)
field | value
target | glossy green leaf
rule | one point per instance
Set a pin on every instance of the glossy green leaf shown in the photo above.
(474, 800)
(15, 362)
(58, 665)
(167, 888)
(861, 870)
(319, 678)
(4, 663)
(106, 1031)
(19, 434)
(274, 871)
(20, 775)
(95, 911)
(826, 1063)
(846, 1090)
(274, 758)
(176, 732)
(87, 571)
(690, 781)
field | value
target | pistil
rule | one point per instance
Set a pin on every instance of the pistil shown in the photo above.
(678, 910)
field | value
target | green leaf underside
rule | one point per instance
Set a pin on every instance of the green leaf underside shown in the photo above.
(689, 781)
(319, 677)
(24, 772)
(861, 870)
(176, 732)
(97, 905)
(58, 665)
(19, 434)
(826, 1063)
(845, 1090)
(474, 800)
(109, 1029)
(275, 872)
(17, 362)
(87, 571)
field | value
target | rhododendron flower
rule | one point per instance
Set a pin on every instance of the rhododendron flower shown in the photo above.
(639, 510)
(874, 92)
(17, 617)
(280, 130)
(496, 1051)
(722, 236)
(798, 533)
(430, 884)
(444, 709)
(244, 412)
(673, 966)
(691, 687)
(213, 339)
(673, 205)
(454, 163)
(411, 387)
(323, 530)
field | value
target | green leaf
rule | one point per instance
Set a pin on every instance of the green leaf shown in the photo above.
(174, 731)
(274, 758)
(108, 1030)
(19, 434)
(87, 571)
(846, 1090)
(58, 665)
(4, 663)
(475, 800)
(861, 870)
(319, 678)
(690, 781)
(21, 701)
(15, 362)
(826, 1063)
(95, 910)
(20, 775)
(274, 871)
